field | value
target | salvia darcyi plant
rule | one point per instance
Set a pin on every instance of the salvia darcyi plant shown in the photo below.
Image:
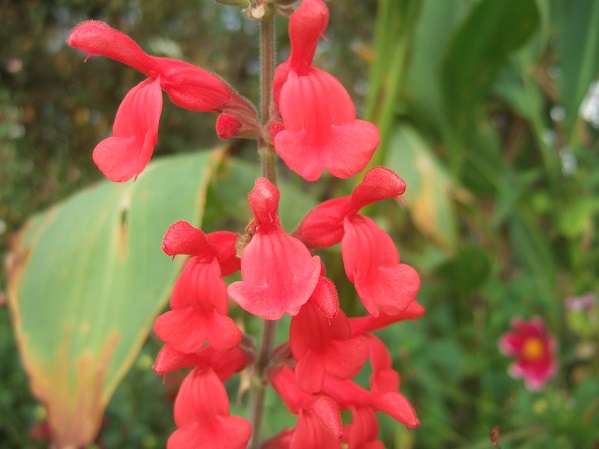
(308, 119)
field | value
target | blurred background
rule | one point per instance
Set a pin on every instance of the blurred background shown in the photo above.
(487, 109)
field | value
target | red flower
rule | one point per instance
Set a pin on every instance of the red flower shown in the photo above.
(319, 419)
(534, 350)
(135, 131)
(126, 154)
(202, 415)
(319, 118)
(223, 363)
(369, 323)
(349, 394)
(324, 347)
(363, 431)
(278, 272)
(199, 299)
(370, 257)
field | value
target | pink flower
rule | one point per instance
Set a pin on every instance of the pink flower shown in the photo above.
(278, 272)
(199, 300)
(370, 257)
(319, 118)
(135, 132)
(534, 350)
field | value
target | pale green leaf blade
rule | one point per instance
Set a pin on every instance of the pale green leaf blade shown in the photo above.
(89, 278)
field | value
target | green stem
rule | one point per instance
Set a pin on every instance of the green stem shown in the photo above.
(267, 73)
(258, 392)
(268, 157)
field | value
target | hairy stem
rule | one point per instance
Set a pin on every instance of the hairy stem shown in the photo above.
(268, 157)
(267, 72)
(259, 388)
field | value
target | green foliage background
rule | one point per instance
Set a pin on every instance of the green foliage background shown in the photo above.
(477, 102)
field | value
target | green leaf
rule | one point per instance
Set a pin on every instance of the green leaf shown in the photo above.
(578, 53)
(535, 256)
(394, 32)
(435, 26)
(89, 277)
(478, 51)
(429, 186)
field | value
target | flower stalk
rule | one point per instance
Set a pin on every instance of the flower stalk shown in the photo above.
(308, 119)
(268, 159)
(267, 71)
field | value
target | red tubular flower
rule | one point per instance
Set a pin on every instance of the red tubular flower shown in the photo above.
(278, 272)
(363, 431)
(319, 118)
(202, 415)
(349, 394)
(369, 323)
(324, 347)
(372, 264)
(223, 363)
(199, 299)
(534, 349)
(384, 377)
(370, 257)
(135, 130)
(319, 420)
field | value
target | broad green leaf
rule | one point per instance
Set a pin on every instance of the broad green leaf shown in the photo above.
(394, 32)
(429, 186)
(578, 53)
(88, 280)
(435, 26)
(478, 51)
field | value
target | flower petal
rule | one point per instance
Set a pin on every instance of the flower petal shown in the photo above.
(222, 245)
(361, 325)
(202, 415)
(379, 183)
(371, 262)
(278, 275)
(200, 285)
(191, 87)
(306, 26)
(183, 329)
(392, 289)
(264, 201)
(135, 131)
(97, 38)
(224, 363)
(325, 297)
(183, 238)
(321, 130)
(323, 226)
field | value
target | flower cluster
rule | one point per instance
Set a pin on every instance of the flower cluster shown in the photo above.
(312, 127)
